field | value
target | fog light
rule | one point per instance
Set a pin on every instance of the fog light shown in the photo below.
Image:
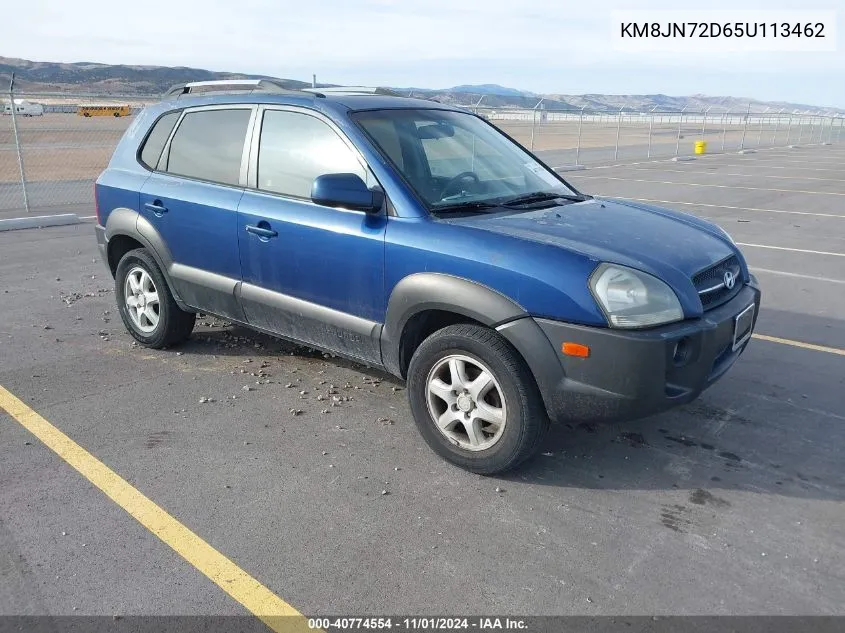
(681, 353)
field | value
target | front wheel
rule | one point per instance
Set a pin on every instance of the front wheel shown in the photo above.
(146, 304)
(474, 400)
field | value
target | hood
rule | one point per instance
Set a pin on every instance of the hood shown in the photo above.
(616, 231)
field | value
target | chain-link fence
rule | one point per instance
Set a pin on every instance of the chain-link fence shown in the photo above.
(53, 147)
(585, 137)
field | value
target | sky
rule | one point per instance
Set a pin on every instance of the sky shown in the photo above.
(551, 46)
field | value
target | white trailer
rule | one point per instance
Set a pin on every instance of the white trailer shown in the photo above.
(24, 108)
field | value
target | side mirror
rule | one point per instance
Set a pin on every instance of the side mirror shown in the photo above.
(347, 191)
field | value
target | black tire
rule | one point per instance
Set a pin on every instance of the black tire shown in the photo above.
(174, 324)
(526, 420)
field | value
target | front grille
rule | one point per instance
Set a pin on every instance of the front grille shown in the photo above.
(710, 283)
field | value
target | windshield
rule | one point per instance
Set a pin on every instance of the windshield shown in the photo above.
(455, 160)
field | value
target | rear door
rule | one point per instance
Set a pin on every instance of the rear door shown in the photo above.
(310, 272)
(191, 200)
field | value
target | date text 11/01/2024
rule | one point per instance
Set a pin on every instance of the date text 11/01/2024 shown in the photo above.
(719, 29)
(418, 624)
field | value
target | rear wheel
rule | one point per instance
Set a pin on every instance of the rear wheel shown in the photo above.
(146, 304)
(474, 400)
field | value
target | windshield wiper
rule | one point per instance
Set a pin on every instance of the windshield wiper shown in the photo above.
(528, 198)
(468, 205)
(541, 196)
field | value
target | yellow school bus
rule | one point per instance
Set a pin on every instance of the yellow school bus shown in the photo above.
(104, 110)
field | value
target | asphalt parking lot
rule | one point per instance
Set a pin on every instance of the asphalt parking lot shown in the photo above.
(730, 505)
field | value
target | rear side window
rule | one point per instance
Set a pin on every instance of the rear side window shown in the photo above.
(151, 151)
(209, 145)
(296, 148)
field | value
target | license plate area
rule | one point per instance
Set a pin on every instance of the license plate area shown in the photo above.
(743, 324)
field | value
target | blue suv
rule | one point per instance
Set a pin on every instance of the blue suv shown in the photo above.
(420, 239)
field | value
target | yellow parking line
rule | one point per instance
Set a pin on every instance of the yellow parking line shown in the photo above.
(786, 341)
(254, 596)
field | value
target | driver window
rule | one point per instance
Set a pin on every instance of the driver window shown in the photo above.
(296, 148)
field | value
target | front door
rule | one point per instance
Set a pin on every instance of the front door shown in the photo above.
(192, 202)
(309, 272)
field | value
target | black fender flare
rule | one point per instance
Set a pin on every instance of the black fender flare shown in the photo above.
(436, 291)
(419, 292)
(128, 222)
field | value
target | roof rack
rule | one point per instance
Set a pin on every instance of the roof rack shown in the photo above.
(344, 90)
(349, 90)
(218, 86)
(232, 85)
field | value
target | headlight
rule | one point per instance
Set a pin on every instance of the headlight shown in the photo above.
(632, 299)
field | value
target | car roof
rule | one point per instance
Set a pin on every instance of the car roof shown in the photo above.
(332, 102)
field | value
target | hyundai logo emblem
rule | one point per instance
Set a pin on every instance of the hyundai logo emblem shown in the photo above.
(730, 280)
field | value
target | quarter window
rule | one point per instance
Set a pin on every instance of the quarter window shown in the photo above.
(209, 145)
(295, 149)
(151, 151)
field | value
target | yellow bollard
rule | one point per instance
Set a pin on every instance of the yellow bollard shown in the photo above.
(700, 147)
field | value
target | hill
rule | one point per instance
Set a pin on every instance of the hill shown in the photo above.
(108, 79)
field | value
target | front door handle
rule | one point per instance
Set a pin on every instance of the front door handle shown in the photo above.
(156, 207)
(261, 231)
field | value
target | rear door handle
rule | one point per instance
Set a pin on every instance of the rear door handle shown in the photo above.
(156, 207)
(261, 231)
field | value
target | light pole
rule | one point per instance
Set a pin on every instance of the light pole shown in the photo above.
(650, 126)
(789, 127)
(678, 138)
(580, 123)
(801, 126)
(760, 133)
(18, 142)
(745, 127)
(618, 126)
(704, 122)
(777, 124)
(534, 120)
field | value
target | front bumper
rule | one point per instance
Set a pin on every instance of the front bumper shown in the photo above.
(632, 374)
